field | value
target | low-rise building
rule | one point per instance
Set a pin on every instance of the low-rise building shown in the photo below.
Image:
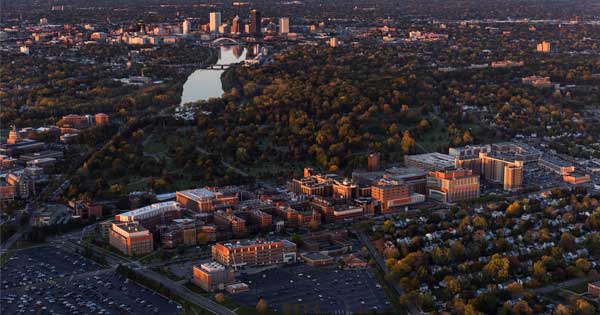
(430, 161)
(212, 276)
(130, 238)
(227, 220)
(152, 215)
(205, 200)
(186, 232)
(254, 253)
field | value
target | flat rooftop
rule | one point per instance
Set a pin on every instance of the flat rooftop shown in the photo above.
(167, 205)
(556, 160)
(212, 266)
(432, 158)
(197, 194)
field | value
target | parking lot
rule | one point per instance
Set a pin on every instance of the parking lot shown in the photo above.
(315, 290)
(40, 264)
(103, 294)
(50, 280)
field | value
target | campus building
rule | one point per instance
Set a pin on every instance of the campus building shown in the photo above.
(102, 119)
(259, 218)
(502, 163)
(130, 238)
(328, 185)
(556, 164)
(227, 220)
(391, 194)
(212, 276)
(76, 121)
(254, 253)
(152, 215)
(299, 217)
(186, 232)
(453, 186)
(336, 212)
(204, 200)
(430, 161)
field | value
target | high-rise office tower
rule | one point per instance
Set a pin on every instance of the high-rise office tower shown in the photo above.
(215, 21)
(186, 27)
(284, 25)
(255, 22)
(236, 25)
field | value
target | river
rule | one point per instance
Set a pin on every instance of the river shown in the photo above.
(203, 84)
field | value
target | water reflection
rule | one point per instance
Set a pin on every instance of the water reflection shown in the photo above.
(203, 84)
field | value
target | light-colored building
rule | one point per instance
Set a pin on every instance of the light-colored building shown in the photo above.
(284, 25)
(236, 26)
(215, 21)
(130, 238)
(543, 47)
(186, 27)
(333, 42)
(152, 215)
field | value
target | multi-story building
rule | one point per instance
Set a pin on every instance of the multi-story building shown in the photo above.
(284, 25)
(215, 21)
(556, 164)
(102, 119)
(255, 22)
(23, 184)
(502, 163)
(333, 212)
(391, 194)
(373, 161)
(261, 219)
(236, 26)
(152, 215)
(130, 238)
(543, 47)
(254, 253)
(15, 144)
(187, 232)
(453, 186)
(204, 200)
(537, 81)
(186, 27)
(86, 209)
(41, 155)
(577, 178)
(300, 217)
(76, 121)
(594, 289)
(414, 178)
(323, 185)
(430, 161)
(212, 276)
(228, 220)
(7, 192)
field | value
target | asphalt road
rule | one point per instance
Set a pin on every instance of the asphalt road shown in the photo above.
(186, 293)
(412, 309)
